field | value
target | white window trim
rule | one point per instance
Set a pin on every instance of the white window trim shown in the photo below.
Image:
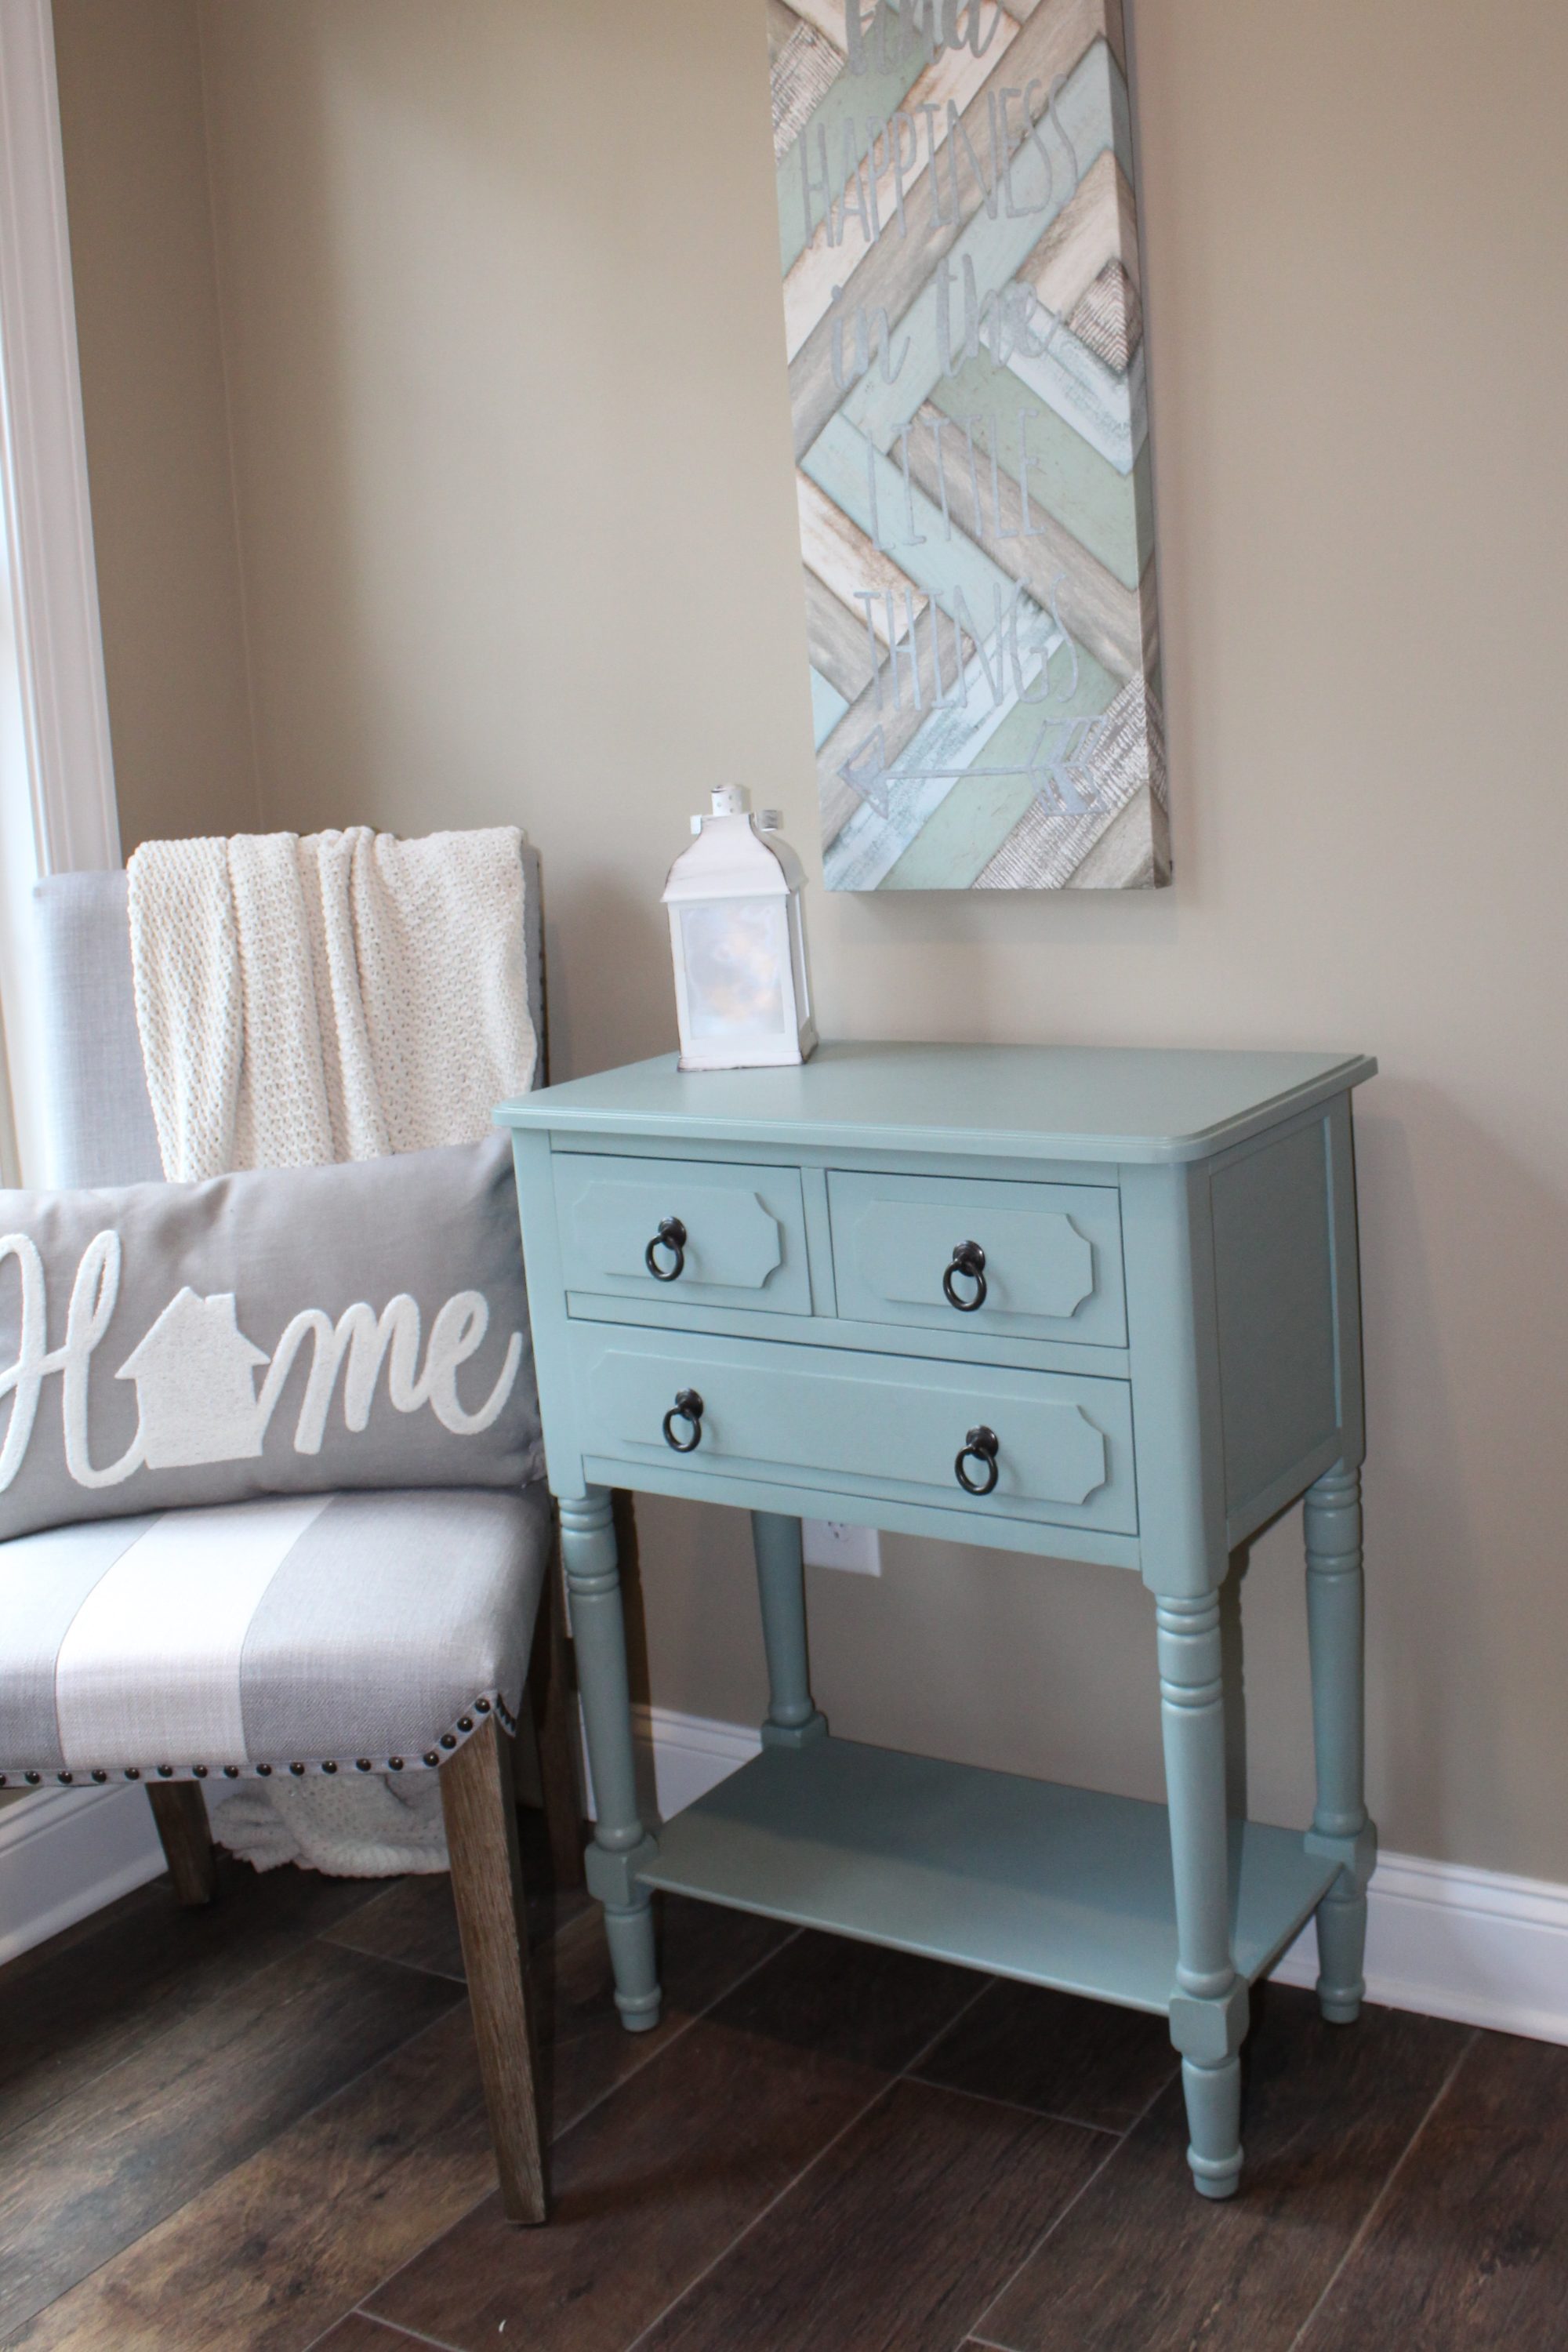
(58, 810)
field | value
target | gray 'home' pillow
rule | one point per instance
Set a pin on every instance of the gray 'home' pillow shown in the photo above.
(281, 1333)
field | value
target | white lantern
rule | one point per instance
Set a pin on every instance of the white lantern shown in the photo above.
(735, 931)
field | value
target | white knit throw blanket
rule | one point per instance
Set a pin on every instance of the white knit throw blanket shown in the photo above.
(332, 998)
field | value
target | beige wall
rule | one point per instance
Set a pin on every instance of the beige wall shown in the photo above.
(511, 450)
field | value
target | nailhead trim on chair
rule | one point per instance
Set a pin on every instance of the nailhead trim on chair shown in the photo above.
(471, 1720)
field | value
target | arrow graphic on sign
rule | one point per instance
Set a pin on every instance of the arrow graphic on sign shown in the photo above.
(1062, 778)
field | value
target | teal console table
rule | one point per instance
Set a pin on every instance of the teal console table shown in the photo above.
(1090, 1305)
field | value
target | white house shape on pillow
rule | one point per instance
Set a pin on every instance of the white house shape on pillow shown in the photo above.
(195, 1385)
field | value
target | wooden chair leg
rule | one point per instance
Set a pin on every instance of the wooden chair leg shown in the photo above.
(480, 1814)
(180, 1811)
(555, 1726)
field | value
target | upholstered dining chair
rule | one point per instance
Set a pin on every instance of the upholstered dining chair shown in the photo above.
(399, 1659)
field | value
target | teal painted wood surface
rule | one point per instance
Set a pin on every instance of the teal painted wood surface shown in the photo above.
(1117, 1105)
(877, 1425)
(1341, 1829)
(1169, 1353)
(792, 1719)
(1028, 1879)
(960, 1522)
(1088, 494)
(1269, 1206)
(1093, 111)
(745, 1232)
(955, 1341)
(621, 1843)
(1052, 1254)
(848, 104)
(1208, 2007)
(827, 708)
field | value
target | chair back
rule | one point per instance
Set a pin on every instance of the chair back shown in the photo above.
(98, 1127)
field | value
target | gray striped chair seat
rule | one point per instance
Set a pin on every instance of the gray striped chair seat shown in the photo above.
(309, 1633)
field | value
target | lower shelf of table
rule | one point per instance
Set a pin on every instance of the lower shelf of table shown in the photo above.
(1024, 1878)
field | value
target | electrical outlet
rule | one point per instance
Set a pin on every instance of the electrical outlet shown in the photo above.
(834, 1543)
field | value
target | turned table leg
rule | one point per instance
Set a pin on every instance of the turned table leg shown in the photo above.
(1341, 1829)
(794, 1720)
(1209, 2005)
(622, 1845)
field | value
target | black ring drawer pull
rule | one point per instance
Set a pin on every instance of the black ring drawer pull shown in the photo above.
(688, 1407)
(982, 1445)
(672, 1234)
(967, 1258)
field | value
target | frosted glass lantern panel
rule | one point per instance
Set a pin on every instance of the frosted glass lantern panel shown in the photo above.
(797, 958)
(736, 953)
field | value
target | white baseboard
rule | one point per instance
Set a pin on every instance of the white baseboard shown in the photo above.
(1449, 1941)
(1442, 1939)
(690, 1753)
(67, 1851)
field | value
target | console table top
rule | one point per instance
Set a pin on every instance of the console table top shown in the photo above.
(1119, 1103)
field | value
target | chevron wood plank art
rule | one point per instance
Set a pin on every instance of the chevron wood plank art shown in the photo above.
(958, 236)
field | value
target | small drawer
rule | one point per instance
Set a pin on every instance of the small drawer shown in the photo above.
(836, 1420)
(1052, 1256)
(743, 1233)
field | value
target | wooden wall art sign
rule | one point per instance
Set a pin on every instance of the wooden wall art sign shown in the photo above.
(958, 238)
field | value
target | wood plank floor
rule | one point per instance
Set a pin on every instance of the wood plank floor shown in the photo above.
(259, 2128)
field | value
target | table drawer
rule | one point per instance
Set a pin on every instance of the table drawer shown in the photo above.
(1052, 1254)
(836, 1420)
(745, 1231)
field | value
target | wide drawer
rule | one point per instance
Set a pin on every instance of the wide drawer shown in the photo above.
(834, 1419)
(745, 1231)
(1052, 1254)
